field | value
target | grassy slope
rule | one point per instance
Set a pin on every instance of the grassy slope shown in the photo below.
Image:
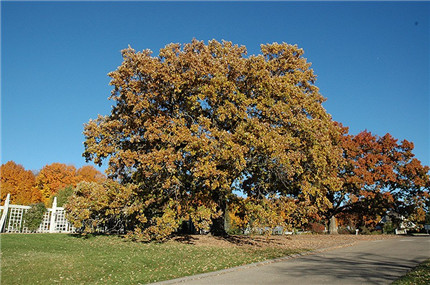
(60, 258)
(418, 276)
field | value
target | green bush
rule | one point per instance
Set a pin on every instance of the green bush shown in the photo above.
(34, 216)
(62, 196)
(389, 228)
(364, 230)
(369, 231)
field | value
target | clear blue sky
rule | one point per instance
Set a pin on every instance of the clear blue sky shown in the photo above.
(372, 61)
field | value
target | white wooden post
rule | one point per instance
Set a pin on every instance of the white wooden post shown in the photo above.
(52, 224)
(4, 214)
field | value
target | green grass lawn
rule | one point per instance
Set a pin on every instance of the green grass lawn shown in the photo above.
(418, 276)
(68, 259)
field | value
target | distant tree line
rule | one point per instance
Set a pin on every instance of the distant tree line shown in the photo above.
(26, 187)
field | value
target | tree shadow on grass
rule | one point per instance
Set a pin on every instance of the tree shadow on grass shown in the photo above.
(184, 238)
(91, 235)
(236, 240)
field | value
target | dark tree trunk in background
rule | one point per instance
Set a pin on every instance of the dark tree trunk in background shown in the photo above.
(218, 224)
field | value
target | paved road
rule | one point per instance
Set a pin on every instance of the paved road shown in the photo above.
(374, 262)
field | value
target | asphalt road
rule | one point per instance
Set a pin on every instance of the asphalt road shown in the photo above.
(372, 262)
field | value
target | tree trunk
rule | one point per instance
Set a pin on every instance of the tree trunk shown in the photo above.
(332, 226)
(218, 224)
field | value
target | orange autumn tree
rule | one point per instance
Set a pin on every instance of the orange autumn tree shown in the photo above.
(20, 183)
(381, 176)
(199, 121)
(57, 176)
(54, 177)
(89, 173)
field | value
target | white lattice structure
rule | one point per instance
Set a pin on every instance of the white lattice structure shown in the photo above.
(61, 223)
(15, 223)
(54, 220)
(46, 221)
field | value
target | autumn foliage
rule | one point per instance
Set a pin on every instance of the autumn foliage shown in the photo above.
(381, 176)
(264, 216)
(199, 123)
(26, 188)
(95, 206)
(88, 173)
(55, 176)
(19, 183)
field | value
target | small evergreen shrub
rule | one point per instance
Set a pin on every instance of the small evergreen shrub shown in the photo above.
(34, 216)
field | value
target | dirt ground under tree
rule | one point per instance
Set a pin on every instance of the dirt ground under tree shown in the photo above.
(303, 241)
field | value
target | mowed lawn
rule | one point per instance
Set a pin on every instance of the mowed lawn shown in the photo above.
(69, 259)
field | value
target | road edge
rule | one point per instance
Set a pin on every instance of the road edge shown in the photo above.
(250, 265)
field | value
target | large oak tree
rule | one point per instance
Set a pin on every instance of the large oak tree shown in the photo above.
(199, 121)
